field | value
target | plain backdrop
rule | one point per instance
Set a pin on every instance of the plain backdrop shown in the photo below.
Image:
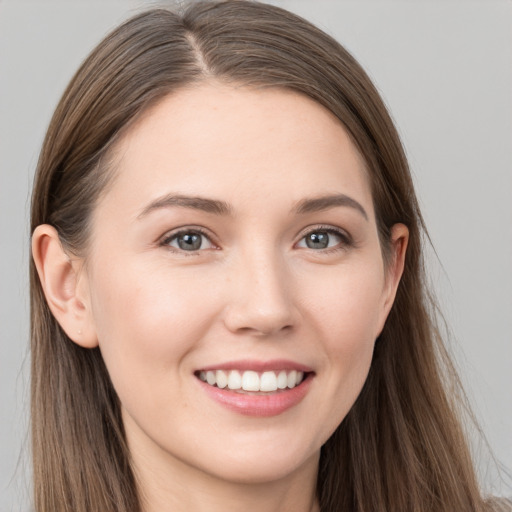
(445, 70)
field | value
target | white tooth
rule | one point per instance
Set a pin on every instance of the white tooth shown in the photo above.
(250, 381)
(282, 380)
(300, 376)
(202, 376)
(268, 381)
(292, 379)
(222, 379)
(234, 380)
(210, 377)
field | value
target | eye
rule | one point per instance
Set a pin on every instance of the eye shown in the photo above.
(188, 240)
(323, 239)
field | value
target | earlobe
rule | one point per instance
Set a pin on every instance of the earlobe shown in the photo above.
(59, 277)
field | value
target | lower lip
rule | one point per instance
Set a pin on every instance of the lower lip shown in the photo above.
(271, 404)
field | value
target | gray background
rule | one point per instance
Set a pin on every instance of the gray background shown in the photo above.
(445, 70)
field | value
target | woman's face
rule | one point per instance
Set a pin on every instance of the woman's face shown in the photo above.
(237, 244)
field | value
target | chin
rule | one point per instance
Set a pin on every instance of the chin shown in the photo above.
(254, 465)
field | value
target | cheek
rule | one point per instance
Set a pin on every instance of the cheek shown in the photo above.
(346, 316)
(146, 320)
(347, 303)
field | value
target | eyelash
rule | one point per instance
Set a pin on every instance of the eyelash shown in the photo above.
(346, 239)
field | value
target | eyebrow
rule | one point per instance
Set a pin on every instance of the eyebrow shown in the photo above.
(326, 202)
(218, 207)
(196, 203)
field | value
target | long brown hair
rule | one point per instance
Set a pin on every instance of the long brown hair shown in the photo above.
(401, 447)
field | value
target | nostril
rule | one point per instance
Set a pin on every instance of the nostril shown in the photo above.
(264, 331)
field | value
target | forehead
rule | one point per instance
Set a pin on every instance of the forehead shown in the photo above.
(236, 143)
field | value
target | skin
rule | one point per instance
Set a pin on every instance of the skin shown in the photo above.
(254, 290)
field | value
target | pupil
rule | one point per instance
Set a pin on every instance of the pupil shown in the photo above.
(189, 242)
(319, 240)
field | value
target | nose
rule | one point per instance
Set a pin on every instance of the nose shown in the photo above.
(260, 297)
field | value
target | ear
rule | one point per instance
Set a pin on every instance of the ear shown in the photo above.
(395, 268)
(64, 286)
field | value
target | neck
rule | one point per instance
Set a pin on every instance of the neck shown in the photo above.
(177, 487)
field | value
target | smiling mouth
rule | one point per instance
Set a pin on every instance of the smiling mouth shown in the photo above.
(250, 381)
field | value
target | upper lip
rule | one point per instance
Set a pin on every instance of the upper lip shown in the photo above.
(258, 366)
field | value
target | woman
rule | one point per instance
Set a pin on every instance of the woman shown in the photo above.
(227, 289)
